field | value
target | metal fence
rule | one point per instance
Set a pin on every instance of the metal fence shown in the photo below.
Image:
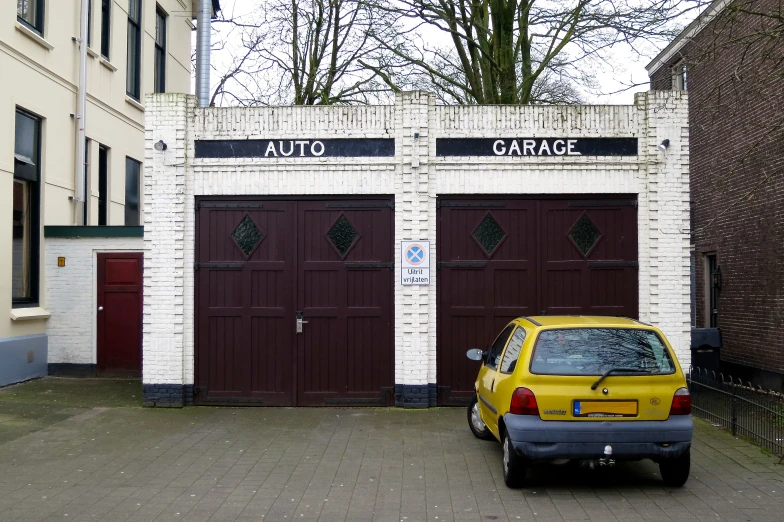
(746, 410)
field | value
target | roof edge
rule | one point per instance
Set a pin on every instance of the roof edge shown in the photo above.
(691, 30)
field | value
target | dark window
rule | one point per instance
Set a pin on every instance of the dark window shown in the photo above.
(247, 235)
(593, 351)
(342, 235)
(489, 234)
(31, 13)
(712, 290)
(103, 180)
(498, 347)
(160, 51)
(26, 215)
(512, 352)
(132, 170)
(681, 77)
(87, 191)
(106, 27)
(133, 78)
(584, 234)
(89, 23)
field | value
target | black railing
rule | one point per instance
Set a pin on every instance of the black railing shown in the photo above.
(747, 411)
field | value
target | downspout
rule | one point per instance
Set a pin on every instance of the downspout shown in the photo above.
(80, 193)
(203, 44)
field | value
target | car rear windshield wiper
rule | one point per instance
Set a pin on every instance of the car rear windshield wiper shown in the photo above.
(612, 370)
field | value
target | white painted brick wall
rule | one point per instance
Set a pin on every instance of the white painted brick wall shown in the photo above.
(415, 177)
(71, 294)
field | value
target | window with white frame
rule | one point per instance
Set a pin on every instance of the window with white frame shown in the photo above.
(31, 14)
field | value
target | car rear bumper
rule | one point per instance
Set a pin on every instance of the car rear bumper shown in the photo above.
(534, 438)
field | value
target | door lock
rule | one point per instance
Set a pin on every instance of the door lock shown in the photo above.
(300, 322)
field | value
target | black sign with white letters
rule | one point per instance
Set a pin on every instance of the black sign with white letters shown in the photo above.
(326, 148)
(536, 147)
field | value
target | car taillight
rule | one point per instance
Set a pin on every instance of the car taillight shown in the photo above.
(681, 402)
(523, 402)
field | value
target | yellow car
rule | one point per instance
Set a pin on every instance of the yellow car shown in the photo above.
(593, 389)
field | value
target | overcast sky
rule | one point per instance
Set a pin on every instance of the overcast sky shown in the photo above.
(627, 67)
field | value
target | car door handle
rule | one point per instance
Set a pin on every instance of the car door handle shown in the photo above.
(492, 385)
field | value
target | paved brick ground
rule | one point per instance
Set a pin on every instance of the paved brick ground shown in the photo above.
(84, 450)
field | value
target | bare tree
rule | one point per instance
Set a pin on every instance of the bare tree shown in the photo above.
(522, 51)
(305, 52)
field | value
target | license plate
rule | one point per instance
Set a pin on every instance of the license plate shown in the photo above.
(605, 408)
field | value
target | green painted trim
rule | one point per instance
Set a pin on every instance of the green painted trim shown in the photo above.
(76, 231)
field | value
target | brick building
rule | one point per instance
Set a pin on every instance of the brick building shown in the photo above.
(276, 241)
(729, 60)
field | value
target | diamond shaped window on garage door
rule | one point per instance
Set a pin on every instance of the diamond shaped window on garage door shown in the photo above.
(584, 234)
(489, 234)
(342, 235)
(247, 236)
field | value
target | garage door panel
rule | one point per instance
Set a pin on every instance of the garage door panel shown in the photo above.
(270, 352)
(540, 264)
(468, 287)
(245, 314)
(454, 369)
(513, 288)
(225, 346)
(319, 362)
(321, 288)
(365, 288)
(345, 262)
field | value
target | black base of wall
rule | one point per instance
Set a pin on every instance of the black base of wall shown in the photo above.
(72, 370)
(758, 377)
(415, 395)
(167, 395)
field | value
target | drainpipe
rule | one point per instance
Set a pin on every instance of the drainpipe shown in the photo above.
(203, 44)
(80, 193)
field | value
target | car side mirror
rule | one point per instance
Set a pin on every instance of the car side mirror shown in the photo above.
(475, 354)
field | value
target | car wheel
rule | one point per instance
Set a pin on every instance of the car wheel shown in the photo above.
(478, 427)
(514, 464)
(675, 472)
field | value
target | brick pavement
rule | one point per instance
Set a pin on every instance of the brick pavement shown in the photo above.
(84, 450)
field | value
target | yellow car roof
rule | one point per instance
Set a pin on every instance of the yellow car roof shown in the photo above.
(582, 320)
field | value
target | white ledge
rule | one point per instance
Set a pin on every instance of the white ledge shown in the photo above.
(133, 102)
(27, 314)
(106, 63)
(37, 38)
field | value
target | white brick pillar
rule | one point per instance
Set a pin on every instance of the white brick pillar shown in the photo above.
(166, 117)
(414, 220)
(664, 231)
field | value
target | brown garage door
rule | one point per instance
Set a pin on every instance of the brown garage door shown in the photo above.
(261, 266)
(502, 258)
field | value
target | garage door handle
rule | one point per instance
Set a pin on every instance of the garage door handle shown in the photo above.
(300, 322)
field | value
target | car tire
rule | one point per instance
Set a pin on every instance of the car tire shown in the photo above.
(675, 472)
(514, 466)
(478, 427)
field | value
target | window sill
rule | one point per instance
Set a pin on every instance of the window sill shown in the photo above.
(27, 314)
(37, 38)
(106, 63)
(91, 52)
(133, 102)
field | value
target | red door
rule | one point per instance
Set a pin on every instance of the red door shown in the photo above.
(500, 258)
(120, 313)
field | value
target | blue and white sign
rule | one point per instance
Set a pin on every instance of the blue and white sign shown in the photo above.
(415, 262)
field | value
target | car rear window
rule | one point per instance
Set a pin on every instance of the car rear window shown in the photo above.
(593, 351)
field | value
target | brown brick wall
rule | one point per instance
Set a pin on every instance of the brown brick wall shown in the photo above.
(736, 113)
